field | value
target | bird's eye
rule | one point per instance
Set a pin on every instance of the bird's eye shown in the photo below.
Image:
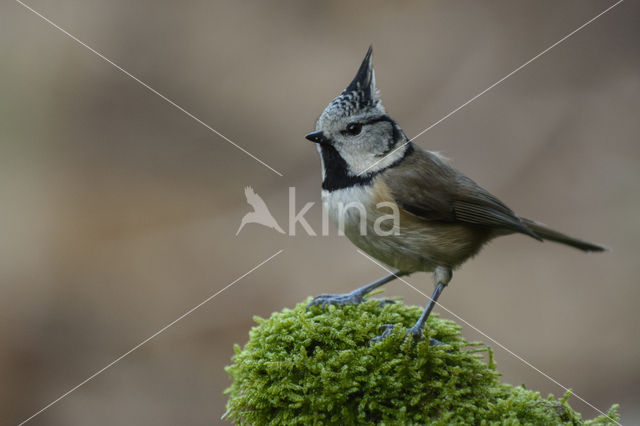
(352, 129)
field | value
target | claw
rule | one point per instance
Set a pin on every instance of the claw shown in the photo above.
(415, 333)
(387, 330)
(335, 299)
(383, 302)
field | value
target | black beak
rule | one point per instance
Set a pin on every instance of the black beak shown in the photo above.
(317, 137)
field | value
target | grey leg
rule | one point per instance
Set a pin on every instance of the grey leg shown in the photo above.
(356, 296)
(441, 276)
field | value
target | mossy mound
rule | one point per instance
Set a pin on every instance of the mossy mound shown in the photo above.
(317, 367)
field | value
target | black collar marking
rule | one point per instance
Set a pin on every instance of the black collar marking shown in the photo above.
(336, 174)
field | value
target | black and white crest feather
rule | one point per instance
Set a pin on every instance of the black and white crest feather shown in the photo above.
(361, 93)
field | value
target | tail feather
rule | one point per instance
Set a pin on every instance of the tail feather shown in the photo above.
(551, 235)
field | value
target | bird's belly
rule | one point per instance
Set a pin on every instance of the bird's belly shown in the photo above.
(354, 212)
(394, 252)
(415, 245)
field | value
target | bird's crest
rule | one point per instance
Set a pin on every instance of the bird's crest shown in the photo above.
(361, 93)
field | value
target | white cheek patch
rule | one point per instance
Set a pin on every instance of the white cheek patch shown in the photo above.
(364, 161)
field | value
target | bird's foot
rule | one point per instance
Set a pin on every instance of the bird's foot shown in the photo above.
(387, 329)
(324, 300)
(353, 298)
(414, 332)
(382, 302)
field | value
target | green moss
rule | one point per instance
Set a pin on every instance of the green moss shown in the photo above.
(317, 367)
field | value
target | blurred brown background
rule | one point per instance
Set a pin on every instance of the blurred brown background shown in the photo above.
(119, 212)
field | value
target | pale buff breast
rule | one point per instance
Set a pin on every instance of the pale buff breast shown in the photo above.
(416, 245)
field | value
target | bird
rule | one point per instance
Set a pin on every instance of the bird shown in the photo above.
(444, 217)
(260, 213)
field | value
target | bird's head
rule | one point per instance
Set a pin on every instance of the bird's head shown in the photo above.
(356, 128)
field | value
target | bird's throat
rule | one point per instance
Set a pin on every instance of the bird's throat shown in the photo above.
(336, 171)
(337, 174)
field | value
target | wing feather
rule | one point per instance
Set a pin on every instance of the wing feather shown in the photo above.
(428, 187)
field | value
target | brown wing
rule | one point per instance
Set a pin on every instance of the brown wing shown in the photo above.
(428, 187)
